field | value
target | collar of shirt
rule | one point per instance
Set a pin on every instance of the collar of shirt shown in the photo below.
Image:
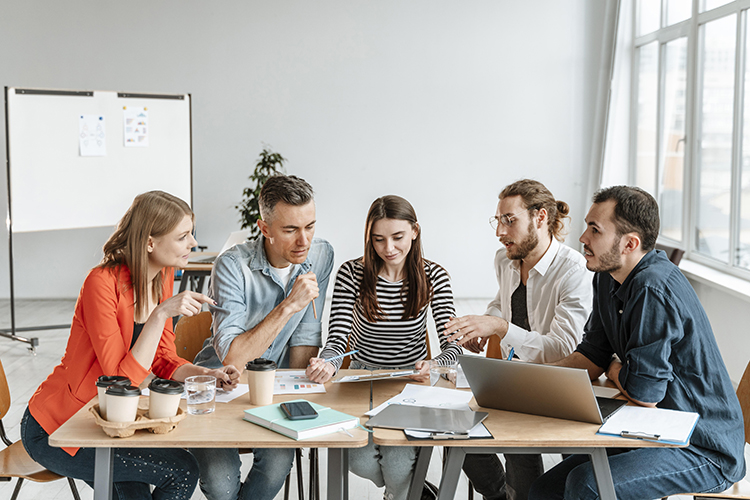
(622, 291)
(542, 266)
(259, 260)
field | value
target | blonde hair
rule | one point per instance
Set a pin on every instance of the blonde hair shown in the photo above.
(154, 214)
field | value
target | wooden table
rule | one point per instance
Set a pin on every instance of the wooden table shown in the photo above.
(512, 433)
(225, 428)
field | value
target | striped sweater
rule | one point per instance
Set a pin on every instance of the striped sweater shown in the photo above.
(390, 342)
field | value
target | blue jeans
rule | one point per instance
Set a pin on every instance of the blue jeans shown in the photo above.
(220, 473)
(172, 471)
(642, 473)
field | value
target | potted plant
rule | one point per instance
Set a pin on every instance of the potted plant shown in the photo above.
(268, 164)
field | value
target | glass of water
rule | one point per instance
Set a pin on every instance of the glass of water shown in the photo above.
(443, 374)
(201, 394)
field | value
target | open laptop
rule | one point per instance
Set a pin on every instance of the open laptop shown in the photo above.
(235, 238)
(549, 391)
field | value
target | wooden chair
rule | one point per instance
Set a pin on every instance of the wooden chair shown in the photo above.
(741, 489)
(190, 333)
(673, 254)
(14, 461)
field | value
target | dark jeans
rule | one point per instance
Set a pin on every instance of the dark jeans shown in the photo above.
(173, 472)
(638, 474)
(487, 476)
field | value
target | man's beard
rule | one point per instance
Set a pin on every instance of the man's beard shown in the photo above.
(525, 247)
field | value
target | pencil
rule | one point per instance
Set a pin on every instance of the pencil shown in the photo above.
(315, 310)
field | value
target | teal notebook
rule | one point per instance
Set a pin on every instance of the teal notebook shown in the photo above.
(328, 421)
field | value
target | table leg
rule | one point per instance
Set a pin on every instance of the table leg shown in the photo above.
(451, 471)
(103, 467)
(603, 474)
(338, 474)
(420, 473)
(184, 281)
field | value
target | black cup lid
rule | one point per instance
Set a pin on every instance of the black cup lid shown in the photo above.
(123, 390)
(107, 380)
(164, 386)
(260, 365)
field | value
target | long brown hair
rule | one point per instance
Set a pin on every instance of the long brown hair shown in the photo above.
(416, 290)
(155, 214)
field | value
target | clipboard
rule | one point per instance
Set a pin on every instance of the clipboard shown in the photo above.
(652, 424)
(376, 376)
(447, 422)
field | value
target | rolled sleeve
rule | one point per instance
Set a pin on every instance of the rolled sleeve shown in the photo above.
(230, 312)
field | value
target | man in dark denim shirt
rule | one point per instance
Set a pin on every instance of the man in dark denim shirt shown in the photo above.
(647, 314)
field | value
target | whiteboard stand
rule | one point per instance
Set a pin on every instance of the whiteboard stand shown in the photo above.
(55, 180)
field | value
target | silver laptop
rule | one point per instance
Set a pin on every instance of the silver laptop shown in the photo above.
(235, 238)
(549, 391)
(420, 418)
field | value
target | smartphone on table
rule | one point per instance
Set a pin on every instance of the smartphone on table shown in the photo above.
(298, 410)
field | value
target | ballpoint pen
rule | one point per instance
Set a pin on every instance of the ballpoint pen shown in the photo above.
(340, 356)
(510, 356)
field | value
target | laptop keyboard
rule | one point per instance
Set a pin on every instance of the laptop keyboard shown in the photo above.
(608, 406)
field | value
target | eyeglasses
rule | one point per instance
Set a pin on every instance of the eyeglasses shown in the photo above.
(508, 220)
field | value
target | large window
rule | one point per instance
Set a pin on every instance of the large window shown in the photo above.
(691, 125)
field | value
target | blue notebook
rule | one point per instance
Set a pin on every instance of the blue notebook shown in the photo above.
(328, 421)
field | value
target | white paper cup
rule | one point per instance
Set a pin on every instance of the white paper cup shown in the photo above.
(201, 394)
(164, 398)
(102, 383)
(122, 403)
(260, 374)
(443, 374)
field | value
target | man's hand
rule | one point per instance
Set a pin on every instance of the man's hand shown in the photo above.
(320, 371)
(304, 291)
(613, 372)
(472, 331)
(227, 377)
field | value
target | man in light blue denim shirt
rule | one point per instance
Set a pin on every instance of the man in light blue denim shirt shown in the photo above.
(264, 292)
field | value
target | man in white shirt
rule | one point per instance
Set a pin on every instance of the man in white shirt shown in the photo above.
(542, 304)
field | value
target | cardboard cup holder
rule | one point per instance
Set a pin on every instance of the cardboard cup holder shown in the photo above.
(127, 429)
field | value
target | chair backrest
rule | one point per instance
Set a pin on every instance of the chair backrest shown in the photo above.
(673, 254)
(190, 333)
(743, 394)
(493, 348)
(4, 393)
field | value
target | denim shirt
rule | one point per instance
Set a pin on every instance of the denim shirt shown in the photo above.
(246, 290)
(656, 325)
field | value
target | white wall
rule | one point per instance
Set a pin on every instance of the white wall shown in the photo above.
(441, 102)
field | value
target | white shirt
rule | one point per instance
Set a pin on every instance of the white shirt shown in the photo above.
(558, 299)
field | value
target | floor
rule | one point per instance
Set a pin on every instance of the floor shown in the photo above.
(25, 371)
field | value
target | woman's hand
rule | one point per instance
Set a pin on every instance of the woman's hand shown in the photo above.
(424, 371)
(227, 377)
(320, 371)
(187, 303)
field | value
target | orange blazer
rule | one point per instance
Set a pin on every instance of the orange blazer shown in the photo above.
(99, 344)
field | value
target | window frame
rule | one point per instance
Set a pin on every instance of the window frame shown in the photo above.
(691, 29)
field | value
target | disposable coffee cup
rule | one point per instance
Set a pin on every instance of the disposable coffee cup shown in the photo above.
(101, 387)
(122, 403)
(260, 374)
(164, 398)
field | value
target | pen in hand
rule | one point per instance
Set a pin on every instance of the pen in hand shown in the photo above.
(510, 355)
(339, 356)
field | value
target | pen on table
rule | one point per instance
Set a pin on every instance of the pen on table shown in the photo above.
(510, 356)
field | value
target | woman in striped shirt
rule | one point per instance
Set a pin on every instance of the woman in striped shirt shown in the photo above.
(380, 304)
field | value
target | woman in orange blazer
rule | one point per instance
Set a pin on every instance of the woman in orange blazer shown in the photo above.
(123, 326)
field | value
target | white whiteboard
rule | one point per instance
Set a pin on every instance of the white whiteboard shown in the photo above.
(53, 187)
